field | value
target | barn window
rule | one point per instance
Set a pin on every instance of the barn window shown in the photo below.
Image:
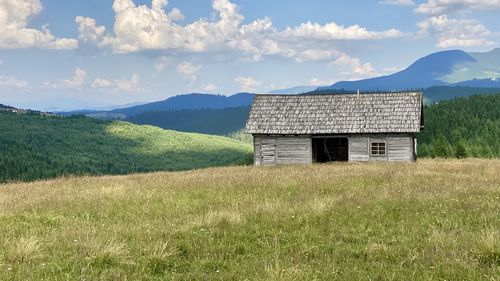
(378, 148)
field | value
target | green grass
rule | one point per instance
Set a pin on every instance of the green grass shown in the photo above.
(35, 146)
(433, 220)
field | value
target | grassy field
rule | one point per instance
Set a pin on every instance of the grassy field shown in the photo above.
(433, 220)
(39, 146)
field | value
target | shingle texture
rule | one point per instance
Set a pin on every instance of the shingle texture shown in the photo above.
(336, 114)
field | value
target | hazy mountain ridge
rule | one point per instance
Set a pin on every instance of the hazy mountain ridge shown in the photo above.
(190, 101)
(446, 68)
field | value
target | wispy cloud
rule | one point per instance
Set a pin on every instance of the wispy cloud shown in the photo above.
(12, 82)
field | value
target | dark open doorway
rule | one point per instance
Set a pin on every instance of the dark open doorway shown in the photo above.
(330, 149)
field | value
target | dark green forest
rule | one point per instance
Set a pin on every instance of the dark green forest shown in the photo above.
(38, 146)
(462, 127)
(205, 121)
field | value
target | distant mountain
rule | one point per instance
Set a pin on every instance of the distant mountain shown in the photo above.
(294, 90)
(190, 101)
(447, 68)
(425, 72)
(483, 83)
(431, 94)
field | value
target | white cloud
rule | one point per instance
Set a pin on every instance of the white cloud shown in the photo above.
(102, 83)
(318, 82)
(455, 32)
(315, 55)
(128, 85)
(210, 88)
(15, 33)
(76, 82)
(352, 67)
(88, 31)
(248, 84)
(440, 7)
(176, 15)
(399, 2)
(333, 31)
(161, 63)
(118, 85)
(12, 82)
(78, 79)
(189, 70)
(142, 28)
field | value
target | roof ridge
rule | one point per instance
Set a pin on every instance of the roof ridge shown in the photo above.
(338, 94)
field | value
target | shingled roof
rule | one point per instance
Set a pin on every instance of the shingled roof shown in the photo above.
(336, 114)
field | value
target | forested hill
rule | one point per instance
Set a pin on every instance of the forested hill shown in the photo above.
(36, 146)
(190, 101)
(6, 107)
(462, 127)
(205, 121)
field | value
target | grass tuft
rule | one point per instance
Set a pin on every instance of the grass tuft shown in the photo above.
(24, 250)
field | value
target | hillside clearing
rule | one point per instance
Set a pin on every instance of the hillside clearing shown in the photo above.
(433, 220)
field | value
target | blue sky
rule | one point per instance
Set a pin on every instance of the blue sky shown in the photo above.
(57, 54)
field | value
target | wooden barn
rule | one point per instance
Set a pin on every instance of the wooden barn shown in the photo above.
(303, 129)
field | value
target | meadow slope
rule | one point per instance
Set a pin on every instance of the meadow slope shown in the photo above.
(433, 220)
(37, 146)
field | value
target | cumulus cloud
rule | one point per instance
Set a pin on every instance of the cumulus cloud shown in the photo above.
(455, 32)
(247, 84)
(209, 88)
(102, 83)
(88, 30)
(15, 33)
(399, 2)
(189, 70)
(333, 31)
(128, 85)
(142, 28)
(76, 82)
(440, 7)
(356, 69)
(12, 82)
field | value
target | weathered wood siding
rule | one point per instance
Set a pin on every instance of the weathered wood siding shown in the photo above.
(278, 150)
(358, 148)
(399, 147)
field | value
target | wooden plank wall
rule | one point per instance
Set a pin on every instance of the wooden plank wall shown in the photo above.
(399, 147)
(277, 150)
(358, 148)
(273, 150)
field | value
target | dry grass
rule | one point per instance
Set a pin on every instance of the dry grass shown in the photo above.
(433, 220)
